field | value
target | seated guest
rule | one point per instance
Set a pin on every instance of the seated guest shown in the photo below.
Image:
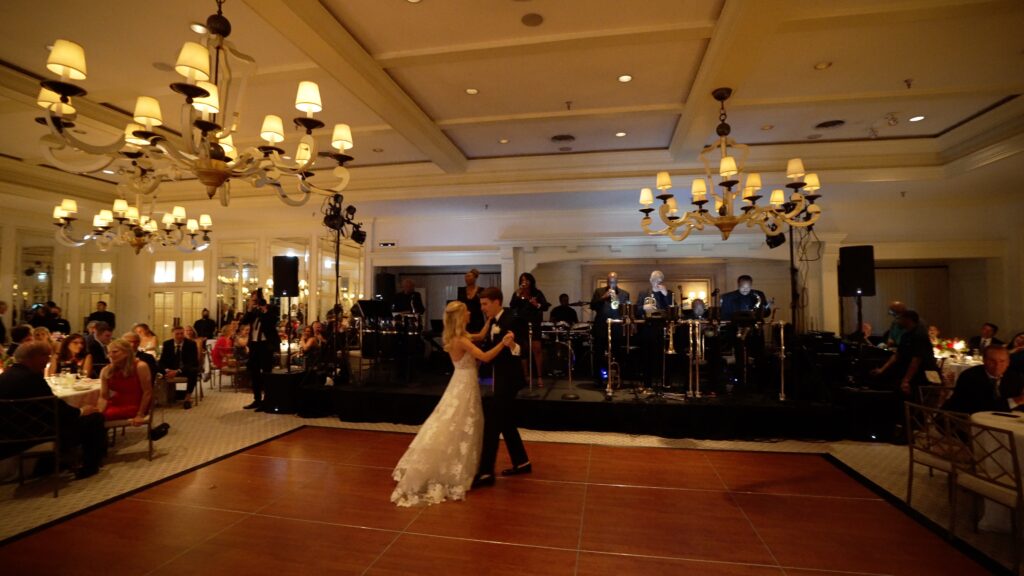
(191, 334)
(40, 316)
(1016, 349)
(986, 338)
(310, 343)
(862, 336)
(149, 342)
(96, 345)
(71, 357)
(82, 426)
(989, 386)
(242, 344)
(126, 385)
(150, 360)
(42, 334)
(19, 334)
(180, 357)
(224, 346)
(933, 335)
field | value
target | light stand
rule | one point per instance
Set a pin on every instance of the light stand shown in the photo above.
(340, 220)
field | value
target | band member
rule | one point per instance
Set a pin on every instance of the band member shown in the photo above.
(656, 303)
(744, 301)
(408, 300)
(606, 304)
(470, 296)
(564, 312)
(744, 308)
(529, 304)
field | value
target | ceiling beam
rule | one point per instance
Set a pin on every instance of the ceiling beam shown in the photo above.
(741, 31)
(311, 28)
(519, 47)
(615, 111)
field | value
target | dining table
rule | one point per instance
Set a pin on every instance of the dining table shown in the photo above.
(952, 368)
(77, 392)
(994, 517)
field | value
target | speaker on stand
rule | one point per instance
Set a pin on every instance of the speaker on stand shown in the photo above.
(286, 285)
(857, 275)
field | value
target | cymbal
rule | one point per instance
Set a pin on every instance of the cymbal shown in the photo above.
(580, 303)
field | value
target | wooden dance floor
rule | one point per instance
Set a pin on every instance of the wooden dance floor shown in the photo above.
(316, 502)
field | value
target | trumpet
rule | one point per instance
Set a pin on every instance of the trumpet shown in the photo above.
(614, 298)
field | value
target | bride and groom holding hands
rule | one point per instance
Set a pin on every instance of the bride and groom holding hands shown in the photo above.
(456, 447)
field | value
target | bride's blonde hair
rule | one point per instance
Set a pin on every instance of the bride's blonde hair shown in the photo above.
(454, 327)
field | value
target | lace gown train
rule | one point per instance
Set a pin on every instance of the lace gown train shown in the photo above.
(442, 459)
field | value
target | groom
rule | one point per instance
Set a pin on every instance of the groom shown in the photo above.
(499, 417)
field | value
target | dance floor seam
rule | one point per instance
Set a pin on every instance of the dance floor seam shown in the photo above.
(317, 501)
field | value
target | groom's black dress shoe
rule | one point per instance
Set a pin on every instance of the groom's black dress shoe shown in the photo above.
(483, 480)
(516, 470)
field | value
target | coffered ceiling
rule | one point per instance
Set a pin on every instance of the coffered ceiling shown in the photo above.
(398, 73)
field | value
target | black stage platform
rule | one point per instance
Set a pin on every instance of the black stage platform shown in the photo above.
(747, 415)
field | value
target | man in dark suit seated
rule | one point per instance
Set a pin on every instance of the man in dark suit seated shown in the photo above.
(986, 338)
(82, 426)
(179, 357)
(989, 386)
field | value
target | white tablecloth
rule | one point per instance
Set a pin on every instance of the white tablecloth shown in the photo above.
(951, 370)
(996, 518)
(84, 392)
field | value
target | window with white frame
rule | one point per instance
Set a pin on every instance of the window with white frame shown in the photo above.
(96, 273)
(193, 271)
(166, 272)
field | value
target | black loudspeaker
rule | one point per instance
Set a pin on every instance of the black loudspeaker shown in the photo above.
(286, 276)
(857, 271)
(384, 286)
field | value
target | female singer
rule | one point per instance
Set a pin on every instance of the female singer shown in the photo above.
(529, 304)
(470, 296)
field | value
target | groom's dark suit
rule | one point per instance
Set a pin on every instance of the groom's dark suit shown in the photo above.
(499, 413)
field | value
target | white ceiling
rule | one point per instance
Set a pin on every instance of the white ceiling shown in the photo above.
(397, 72)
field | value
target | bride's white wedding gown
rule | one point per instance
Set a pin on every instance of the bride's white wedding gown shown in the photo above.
(442, 459)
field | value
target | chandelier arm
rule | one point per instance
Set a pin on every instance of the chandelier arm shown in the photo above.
(95, 166)
(62, 235)
(645, 224)
(71, 140)
(287, 199)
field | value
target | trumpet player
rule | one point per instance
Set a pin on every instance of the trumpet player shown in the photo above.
(607, 302)
(656, 303)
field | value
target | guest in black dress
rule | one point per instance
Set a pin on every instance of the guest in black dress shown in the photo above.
(529, 305)
(72, 357)
(470, 296)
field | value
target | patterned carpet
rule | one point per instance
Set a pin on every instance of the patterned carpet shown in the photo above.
(219, 427)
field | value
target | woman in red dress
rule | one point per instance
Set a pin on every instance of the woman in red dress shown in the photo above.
(125, 385)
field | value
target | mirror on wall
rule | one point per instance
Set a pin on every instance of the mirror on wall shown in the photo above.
(341, 270)
(33, 278)
(238, 274)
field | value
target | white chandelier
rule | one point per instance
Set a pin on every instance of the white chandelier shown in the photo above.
(798, 210)
(210, 115)
(123, 225)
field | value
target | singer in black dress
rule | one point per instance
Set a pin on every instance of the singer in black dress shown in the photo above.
(528, 304)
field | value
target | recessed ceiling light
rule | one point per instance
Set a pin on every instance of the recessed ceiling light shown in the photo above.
(378, 150)
(532, 19)
(198, 28)
(916, 118)
(503, 141)
(814, 136)
(625, 78)
(413, 1)
(472, 91)
(108, 171)
(767, 127)
(565, 149)
(620, 134)
(830, 124)
(823, 65)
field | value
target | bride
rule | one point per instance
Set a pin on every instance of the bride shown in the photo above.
(443, 457)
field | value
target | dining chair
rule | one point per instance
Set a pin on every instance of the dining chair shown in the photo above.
(928, 440)
(993, 472)
(124, 424)
(32, 427)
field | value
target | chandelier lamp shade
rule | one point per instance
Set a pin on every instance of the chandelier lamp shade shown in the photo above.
(125, 225)
(213, 76)
(715, 195)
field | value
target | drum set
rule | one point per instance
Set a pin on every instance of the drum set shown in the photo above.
(567, 341)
